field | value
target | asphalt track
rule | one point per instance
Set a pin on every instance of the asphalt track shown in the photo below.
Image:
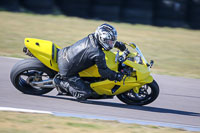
(178, 102)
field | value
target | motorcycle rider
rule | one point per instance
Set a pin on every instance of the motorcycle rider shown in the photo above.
(84, 54)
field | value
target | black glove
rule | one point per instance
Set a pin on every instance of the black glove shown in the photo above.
(119, 76)
(120, 45)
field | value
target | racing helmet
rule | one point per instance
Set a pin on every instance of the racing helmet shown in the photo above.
(106, 35)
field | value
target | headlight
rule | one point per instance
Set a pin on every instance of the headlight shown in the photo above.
(136, 59)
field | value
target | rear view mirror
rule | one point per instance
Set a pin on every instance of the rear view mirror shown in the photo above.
(133, 45)
(151, 63)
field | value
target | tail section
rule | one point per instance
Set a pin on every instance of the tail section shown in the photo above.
(43, 50)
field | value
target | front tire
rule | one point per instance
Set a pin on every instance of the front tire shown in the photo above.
(26, 70)
(142, 98)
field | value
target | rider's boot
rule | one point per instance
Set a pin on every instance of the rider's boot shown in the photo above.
(80, 90)
(61, 85)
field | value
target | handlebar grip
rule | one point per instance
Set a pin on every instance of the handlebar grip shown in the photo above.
(124, 55)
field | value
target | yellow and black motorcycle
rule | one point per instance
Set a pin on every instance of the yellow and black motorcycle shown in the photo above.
(35, 75)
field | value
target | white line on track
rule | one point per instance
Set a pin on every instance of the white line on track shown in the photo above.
(11, 58)
(24, 110)
(122, 120)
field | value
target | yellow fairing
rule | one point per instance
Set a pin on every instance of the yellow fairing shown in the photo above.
(142, 71)
(45, 51)
(108, 87)
(135, 81)
(111, 88)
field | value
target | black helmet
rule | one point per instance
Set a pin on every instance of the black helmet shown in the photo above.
(106, 36)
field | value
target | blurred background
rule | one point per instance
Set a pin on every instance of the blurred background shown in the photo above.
(167, 31)
(172, 13)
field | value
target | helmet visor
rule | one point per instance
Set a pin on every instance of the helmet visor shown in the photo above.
(111, 43)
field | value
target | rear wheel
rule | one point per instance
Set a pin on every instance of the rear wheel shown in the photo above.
(147, 94)
(28, 71)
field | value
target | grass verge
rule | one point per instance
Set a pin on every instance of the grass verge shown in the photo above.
(174, 50)
(14, 122)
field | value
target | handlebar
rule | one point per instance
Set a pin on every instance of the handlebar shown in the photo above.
(124, 55)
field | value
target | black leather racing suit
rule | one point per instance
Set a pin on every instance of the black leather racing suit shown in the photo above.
(82, 55)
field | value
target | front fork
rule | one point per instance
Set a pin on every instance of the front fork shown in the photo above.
(137, 89)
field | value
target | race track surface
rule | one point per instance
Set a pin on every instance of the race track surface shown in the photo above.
(178, 102)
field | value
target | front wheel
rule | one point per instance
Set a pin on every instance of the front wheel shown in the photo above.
(147, 94)
(29, 71)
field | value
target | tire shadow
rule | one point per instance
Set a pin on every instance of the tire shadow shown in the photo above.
(134, 107)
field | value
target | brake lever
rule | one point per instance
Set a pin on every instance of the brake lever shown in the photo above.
(127, 74)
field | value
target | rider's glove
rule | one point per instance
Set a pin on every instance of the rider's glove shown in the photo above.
(119, 77)
(120, 45)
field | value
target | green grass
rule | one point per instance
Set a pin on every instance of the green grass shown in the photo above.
(80, 125)
(13, 122)
(174, 50)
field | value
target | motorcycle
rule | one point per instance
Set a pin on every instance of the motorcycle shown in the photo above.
(35, 75)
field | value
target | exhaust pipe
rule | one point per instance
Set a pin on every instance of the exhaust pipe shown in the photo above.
(43, 84)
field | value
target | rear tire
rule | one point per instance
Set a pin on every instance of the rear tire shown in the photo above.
(25, 66)
(130, 99)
